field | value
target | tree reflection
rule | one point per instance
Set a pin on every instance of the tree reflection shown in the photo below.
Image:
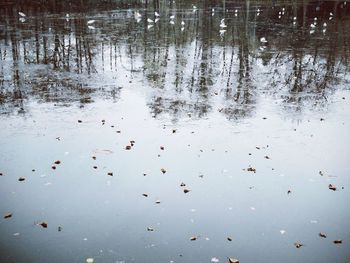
(189, 67)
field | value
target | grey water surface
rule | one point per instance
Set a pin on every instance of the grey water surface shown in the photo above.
(249, 116)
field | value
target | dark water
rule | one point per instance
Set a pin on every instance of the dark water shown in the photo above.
(270, 92)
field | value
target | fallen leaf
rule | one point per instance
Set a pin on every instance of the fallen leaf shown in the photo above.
(8, 215)
(163, 170)
(21, 179)
(338, 241)
(186, 191)
(233, 260)
(332, 187)
(298, 245)
(43, 224)
(322, 235)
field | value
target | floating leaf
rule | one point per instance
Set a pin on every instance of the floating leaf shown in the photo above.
(233, 260)
(338, 241)
(8, 215)
(322, 235)
(298, 245)
(332, 187)
(21, 179)
(43, 224)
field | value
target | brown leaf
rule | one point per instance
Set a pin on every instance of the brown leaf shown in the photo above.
(338, 241)
(8, 215)
(21, 179)
(233, 260)
(332, 187)
(298, 245)
(43, 224)
(322, 235)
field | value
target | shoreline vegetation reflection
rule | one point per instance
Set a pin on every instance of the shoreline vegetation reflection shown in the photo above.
(190, 59)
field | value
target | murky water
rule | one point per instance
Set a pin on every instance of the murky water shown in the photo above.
(250, 114)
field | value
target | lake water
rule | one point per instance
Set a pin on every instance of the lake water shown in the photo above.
(249, 116)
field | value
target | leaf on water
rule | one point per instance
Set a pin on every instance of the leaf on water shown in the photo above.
(193, 238)
(338, 241)
(89, 260)
(229, 239)
(21, 179)
(163, 170)
(251, 169)
(8, 215)
(332, 187)
(150, 229)
(43, 224)
(182, 184)
(233, 260)
(322, 235)
(186, 191)
(298, 245)
(145, 195)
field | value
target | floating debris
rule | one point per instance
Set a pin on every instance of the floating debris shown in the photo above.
(298, 245)
(322, 235)
(95, 167)
(332, 187)
(1, 174)
(320, 173)
(91, 22)
(282, 232)
(21, 179)
(338, 241)
(174, 131)
(8, 215)
(233, 260)
(43, 224)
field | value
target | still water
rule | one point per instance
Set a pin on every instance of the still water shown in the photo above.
(181, 137)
